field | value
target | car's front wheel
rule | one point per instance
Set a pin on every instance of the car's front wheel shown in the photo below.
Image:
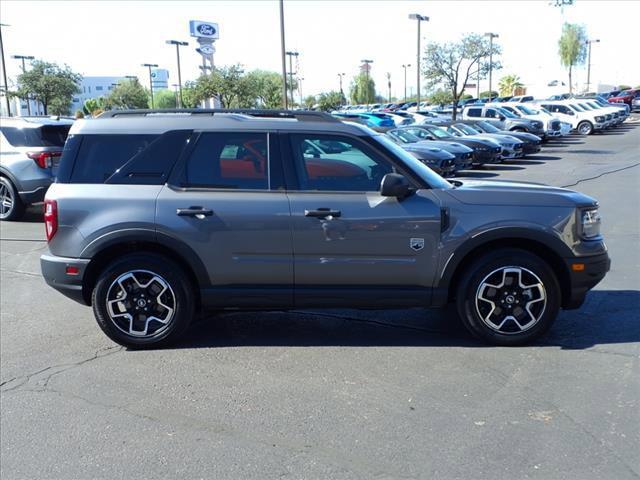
(585, 128)
(11, 207)
(143, 300)
(508, 297)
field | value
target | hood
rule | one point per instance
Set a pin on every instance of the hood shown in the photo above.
(427, 152)
(524, 136)
(506, 192)
(446, 146)
(501, 138)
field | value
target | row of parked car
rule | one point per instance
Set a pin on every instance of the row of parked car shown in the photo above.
(487, 132)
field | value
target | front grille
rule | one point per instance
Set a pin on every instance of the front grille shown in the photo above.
(555, 125)
(608, 116)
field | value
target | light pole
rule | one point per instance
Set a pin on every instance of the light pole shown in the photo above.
(291, 54)
(175, 92)
(589, 42)
(340, 75)
(300, 79)
(367, 67)
(24, 69)
(178, 44)
(405, 80)
(419, 18)
(491, 37)
(150, 66)
(389, 84)
(4, 71)
(284, 60)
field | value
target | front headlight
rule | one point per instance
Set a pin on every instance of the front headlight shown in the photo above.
(590, 221)
(599, 119)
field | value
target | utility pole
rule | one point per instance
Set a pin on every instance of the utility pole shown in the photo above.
(4, 71)
(24, 69)
(178, 44)
(291, 54)
(405, 80)
(419, 18)
(150, 66)
(491, 37)
(284, 61)
(589, 42)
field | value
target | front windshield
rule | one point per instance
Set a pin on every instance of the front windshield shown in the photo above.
(487, 127)
(594, 105)
(527, 110)
(428, 175)
(466, 129)
(623, 93)
(507, 113)
(404, 136)
(577, 108)
(585, 106)
(440, 133)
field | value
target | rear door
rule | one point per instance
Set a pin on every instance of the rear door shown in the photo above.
(226, 201)
(349, 242)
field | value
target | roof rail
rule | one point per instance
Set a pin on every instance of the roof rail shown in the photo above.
(298, 115)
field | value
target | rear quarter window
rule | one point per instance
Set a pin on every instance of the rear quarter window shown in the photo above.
(44, 136)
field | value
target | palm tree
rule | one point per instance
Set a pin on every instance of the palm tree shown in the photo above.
(509, 84)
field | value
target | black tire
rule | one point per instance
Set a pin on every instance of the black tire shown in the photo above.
(9, 193)
(160, 273)
(585, 128)
(476, 286)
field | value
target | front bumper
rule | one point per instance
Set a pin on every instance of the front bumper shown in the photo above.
(530, 148)
(54, 271)
(584, 278)
(508, 153)
(463, 161)
(492, 155)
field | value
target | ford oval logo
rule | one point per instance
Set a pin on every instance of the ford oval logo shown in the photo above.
(205, 29)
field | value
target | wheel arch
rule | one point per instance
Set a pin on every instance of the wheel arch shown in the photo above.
(105, 252)
(5, 172)
(548, 248)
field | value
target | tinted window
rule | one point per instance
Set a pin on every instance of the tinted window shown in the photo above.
(45, 136)
(474, 112)
(101, 155)
(356, 169)
(229, 160)
(491, 113)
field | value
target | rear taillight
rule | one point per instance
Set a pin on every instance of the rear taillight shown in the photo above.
(43, 159)
(50, 218)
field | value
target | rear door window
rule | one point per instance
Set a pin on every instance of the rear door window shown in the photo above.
(474, 112)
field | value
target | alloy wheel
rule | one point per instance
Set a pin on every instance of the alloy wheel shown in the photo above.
(141, 303)
(511, 300)
(6, 200)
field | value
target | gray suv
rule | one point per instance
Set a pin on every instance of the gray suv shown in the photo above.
(156, 215)
(503, 119)
(30, 148)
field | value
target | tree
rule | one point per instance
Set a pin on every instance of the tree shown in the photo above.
(127, 93)
(91, 105)
(440, 97)
(165, 99)
(228, 85)
(330, 101)
(452, 64)
(363, 89)
(266, 87)
(190, 95)
(49, 84)
(572, 48)
(509, 84)
(488, 94)
(310, 101)
(624, 87)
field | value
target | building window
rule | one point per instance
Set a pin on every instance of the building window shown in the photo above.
(99, 87)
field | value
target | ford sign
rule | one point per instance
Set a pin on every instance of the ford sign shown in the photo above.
(200, 29)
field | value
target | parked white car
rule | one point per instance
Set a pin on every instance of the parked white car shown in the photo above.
(553, 126)
(584, 122)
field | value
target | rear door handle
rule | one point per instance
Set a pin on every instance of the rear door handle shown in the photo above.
(322, 213)
(199, 212)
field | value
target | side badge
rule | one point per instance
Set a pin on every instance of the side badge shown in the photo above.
(416, 244)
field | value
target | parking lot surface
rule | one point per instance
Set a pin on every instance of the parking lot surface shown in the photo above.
(336, 394)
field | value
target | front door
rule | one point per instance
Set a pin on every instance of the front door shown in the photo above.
(227, 203)
(349, 242)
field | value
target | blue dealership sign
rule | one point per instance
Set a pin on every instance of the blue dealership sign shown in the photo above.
(200, 29)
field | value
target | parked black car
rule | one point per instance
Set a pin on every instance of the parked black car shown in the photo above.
(532, 143)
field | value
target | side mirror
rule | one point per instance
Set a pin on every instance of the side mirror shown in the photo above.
(430, 137)
(395, 185)
(502, 118)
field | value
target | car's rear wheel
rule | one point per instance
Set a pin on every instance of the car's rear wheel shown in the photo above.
(11, 207)
(143, 300)
(585, 128)
(508, 297)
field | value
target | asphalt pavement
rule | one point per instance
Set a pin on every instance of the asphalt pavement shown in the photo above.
(403, 394)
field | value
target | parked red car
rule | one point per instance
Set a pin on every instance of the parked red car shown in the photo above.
(626, 96)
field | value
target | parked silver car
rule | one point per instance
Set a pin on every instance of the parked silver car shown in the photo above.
(154, 216)
(30, 148)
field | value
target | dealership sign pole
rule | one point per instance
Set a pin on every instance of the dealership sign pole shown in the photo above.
(205, 33)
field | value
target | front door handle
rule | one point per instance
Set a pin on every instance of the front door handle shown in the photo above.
(322, 213)
(199, 212)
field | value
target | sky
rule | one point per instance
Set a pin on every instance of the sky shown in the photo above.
(114, 38)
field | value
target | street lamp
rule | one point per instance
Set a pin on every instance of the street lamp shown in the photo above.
(178, 44)
(4, 71)
(24, 69)
(419, 18)
(491, 37)
(300, 79)
(284, 58)
(367, 67)
(175, 92)
(150, 66)
(340, 75)
(405, 80)
(589, 42)
(291, 54)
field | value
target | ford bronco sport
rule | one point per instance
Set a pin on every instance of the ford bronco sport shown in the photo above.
(158, 214)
